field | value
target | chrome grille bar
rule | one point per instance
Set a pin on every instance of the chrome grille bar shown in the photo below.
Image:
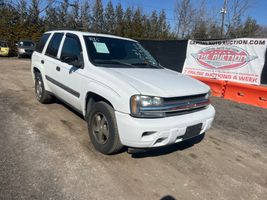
(179, 105)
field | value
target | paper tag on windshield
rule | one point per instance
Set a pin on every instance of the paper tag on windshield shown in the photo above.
(101, 47)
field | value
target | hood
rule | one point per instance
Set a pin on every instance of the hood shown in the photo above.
(159, 82)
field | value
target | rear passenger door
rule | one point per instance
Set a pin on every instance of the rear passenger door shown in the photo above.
(51, 62)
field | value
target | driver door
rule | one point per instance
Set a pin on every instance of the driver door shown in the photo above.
(70, 76)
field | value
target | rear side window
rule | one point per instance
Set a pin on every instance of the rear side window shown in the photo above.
(71, 47)
(53, 46)
(41, 43)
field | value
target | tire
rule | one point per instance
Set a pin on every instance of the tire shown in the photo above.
(40, 93)
(102, 129)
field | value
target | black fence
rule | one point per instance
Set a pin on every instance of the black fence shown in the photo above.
(172, 53)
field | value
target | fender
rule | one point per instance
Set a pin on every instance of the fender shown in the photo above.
(118, 102)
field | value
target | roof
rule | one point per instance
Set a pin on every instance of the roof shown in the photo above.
(83, 33)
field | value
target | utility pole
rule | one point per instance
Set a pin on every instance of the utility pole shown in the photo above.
(223, 12)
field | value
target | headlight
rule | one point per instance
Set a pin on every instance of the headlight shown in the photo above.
(139, 103)
(207, 96)
(21, 50)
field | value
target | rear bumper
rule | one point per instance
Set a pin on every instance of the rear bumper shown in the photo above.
(166, 130)
(4, 52)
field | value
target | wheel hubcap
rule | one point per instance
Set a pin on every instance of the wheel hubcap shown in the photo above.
(100, 128)
(39, 88)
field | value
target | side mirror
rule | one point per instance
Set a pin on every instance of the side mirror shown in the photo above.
(76, 61)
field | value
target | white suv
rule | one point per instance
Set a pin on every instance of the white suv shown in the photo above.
(124, 94)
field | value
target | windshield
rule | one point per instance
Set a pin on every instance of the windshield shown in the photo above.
(112, 52)
(26, 44)
(3, 44)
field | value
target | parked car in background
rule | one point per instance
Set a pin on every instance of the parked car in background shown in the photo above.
(4, 48)
(25, 48)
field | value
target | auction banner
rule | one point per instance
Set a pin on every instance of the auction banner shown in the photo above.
(240, 60)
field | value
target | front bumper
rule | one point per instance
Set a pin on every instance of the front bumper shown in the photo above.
(145, 133)
(25, 53)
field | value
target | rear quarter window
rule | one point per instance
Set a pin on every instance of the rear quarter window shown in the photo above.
(40, 45)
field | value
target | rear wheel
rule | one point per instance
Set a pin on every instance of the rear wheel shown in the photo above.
(41, 94)
(102, 128)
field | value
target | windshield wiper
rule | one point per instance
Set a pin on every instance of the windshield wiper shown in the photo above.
(117, 62)
(146, 64)
(113, 62)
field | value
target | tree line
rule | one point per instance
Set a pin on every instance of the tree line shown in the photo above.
(22, 19)
(200, 21)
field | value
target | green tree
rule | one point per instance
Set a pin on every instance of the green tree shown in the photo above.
(97, 17)
(35, 26)
(34, 12)
(51, 19)
(127, 22)
(74, 20)
(214, 31)
(22, 9)
(163, 26)
(85, 16)
(154, 25)
(137, 23)
(147, 27)
(109, 18)
(62, 13)
(119, 20)
(250, 28)
(200, 31)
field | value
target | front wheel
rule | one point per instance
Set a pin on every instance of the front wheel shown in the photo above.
(102, 128)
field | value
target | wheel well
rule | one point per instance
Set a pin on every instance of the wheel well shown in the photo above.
(36, 70)
(93, 98)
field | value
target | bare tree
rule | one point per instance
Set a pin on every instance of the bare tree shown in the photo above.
(263, 31)
(236, 9)
(184, 14)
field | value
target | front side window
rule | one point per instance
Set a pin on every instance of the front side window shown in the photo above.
(40, 45)
(53, 46)
(71, 47)
(113, 52)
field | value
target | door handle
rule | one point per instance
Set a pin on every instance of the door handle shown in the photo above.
(58, 68)
(42, 61)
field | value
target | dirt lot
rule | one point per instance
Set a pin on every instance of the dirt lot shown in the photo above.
(46, 153)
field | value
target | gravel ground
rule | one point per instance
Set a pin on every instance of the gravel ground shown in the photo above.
(46, 153)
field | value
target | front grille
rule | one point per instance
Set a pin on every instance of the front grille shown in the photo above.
(184, 98)
(185, 105)
(28, 51)
(180, 105)
(170, 114)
